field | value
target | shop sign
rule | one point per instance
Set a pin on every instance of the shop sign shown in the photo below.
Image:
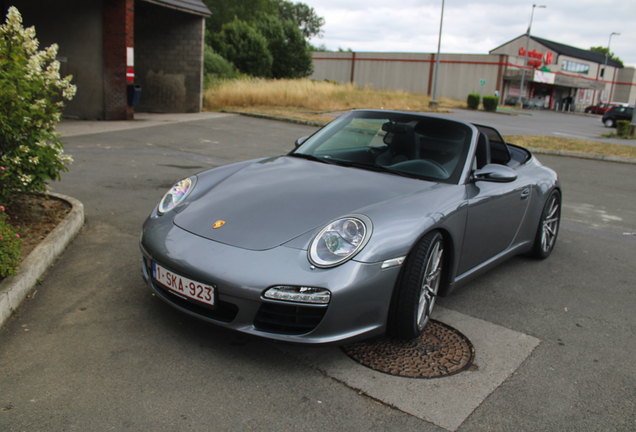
(544, 77)
(536, 58)
(548, 57)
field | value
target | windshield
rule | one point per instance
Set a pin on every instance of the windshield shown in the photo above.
(417, 146)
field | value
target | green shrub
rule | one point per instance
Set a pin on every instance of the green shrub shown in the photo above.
(31, 102)
(622, 128)
(473, 101)
(491, 103)
(10, 247)
(243, 45)
(213, 63)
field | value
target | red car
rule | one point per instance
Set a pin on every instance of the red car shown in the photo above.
(599, 108)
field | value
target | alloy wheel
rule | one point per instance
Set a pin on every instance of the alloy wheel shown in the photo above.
(550, 225)
(430, 285)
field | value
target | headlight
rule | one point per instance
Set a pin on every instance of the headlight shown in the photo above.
(340, 241)
(175, 195)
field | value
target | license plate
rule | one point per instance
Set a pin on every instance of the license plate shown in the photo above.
(183, 286)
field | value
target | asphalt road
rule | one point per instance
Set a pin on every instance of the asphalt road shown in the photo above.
(94, 350)
(538, 122)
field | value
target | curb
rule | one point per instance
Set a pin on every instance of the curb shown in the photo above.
(566, 153)
(580, 155)
(14, 290)
(283, 119)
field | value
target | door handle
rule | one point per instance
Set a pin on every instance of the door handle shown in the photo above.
(525, 194)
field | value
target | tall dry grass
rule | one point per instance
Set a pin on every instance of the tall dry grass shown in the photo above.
(311, 95)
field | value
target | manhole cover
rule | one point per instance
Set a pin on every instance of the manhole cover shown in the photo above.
(440, 351)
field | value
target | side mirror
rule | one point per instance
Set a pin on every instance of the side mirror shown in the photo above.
(299, 141)
(495, 173)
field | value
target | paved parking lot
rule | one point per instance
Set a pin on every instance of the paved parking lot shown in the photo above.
(94, 350)
(544, 122)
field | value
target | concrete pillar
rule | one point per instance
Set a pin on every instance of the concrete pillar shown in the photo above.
(119, 18)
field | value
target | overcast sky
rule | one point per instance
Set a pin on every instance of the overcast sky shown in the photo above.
(474, 27)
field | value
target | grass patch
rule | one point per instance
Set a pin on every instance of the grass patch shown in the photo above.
(615, 135)
(305, 96)
(570, 144)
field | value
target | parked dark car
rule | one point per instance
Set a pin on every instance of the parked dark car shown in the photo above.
(601, 108)
(617, 113)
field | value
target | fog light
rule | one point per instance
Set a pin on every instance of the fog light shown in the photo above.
(299, 294)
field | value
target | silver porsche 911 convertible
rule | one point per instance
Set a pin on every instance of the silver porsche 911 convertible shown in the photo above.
(354, 233)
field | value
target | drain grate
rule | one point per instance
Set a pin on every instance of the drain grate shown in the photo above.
(440, 351)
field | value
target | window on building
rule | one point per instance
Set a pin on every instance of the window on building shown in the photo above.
(571, 66)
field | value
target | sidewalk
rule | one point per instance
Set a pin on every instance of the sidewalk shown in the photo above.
(71, 127)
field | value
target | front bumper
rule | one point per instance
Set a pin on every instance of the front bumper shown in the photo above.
(360, 292)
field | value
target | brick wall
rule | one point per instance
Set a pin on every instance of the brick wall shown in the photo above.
(118, 35)
(168, 59)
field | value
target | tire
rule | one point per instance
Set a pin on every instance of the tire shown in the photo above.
(417, 288)
(588, 111)
(609, 122)
(548, 228)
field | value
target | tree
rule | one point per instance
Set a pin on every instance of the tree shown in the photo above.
(235, 27)
(241, 44)
(285, 41)
(304, 16)
(31, 100)
(224, 12)
(321, 48)
(604, 50)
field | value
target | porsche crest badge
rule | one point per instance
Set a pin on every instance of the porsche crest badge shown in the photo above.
(218, 224)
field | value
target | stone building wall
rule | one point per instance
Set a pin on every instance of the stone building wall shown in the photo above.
(168, 59)
(76, 27)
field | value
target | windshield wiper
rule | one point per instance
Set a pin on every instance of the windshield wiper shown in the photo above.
(312, 158)
(375, 167)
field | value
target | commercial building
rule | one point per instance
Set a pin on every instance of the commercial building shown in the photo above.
(557, 77)
(123, 54)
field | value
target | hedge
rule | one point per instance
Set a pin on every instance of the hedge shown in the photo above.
(622, 128)
(473, 101)
(491, 103)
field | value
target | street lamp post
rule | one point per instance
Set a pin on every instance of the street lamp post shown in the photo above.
(607, 53)
(525, 58)
(434, 103)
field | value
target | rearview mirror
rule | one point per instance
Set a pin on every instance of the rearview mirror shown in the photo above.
(495, 173)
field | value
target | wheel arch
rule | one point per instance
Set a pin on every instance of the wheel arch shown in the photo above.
(448, 246)
(448, 256)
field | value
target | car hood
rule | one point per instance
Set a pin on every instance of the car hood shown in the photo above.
(275, 200)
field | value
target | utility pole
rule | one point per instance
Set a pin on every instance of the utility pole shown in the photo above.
(434, 103)
(605, 65)
(525, 59)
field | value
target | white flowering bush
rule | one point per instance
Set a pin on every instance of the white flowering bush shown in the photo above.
(32, 97)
